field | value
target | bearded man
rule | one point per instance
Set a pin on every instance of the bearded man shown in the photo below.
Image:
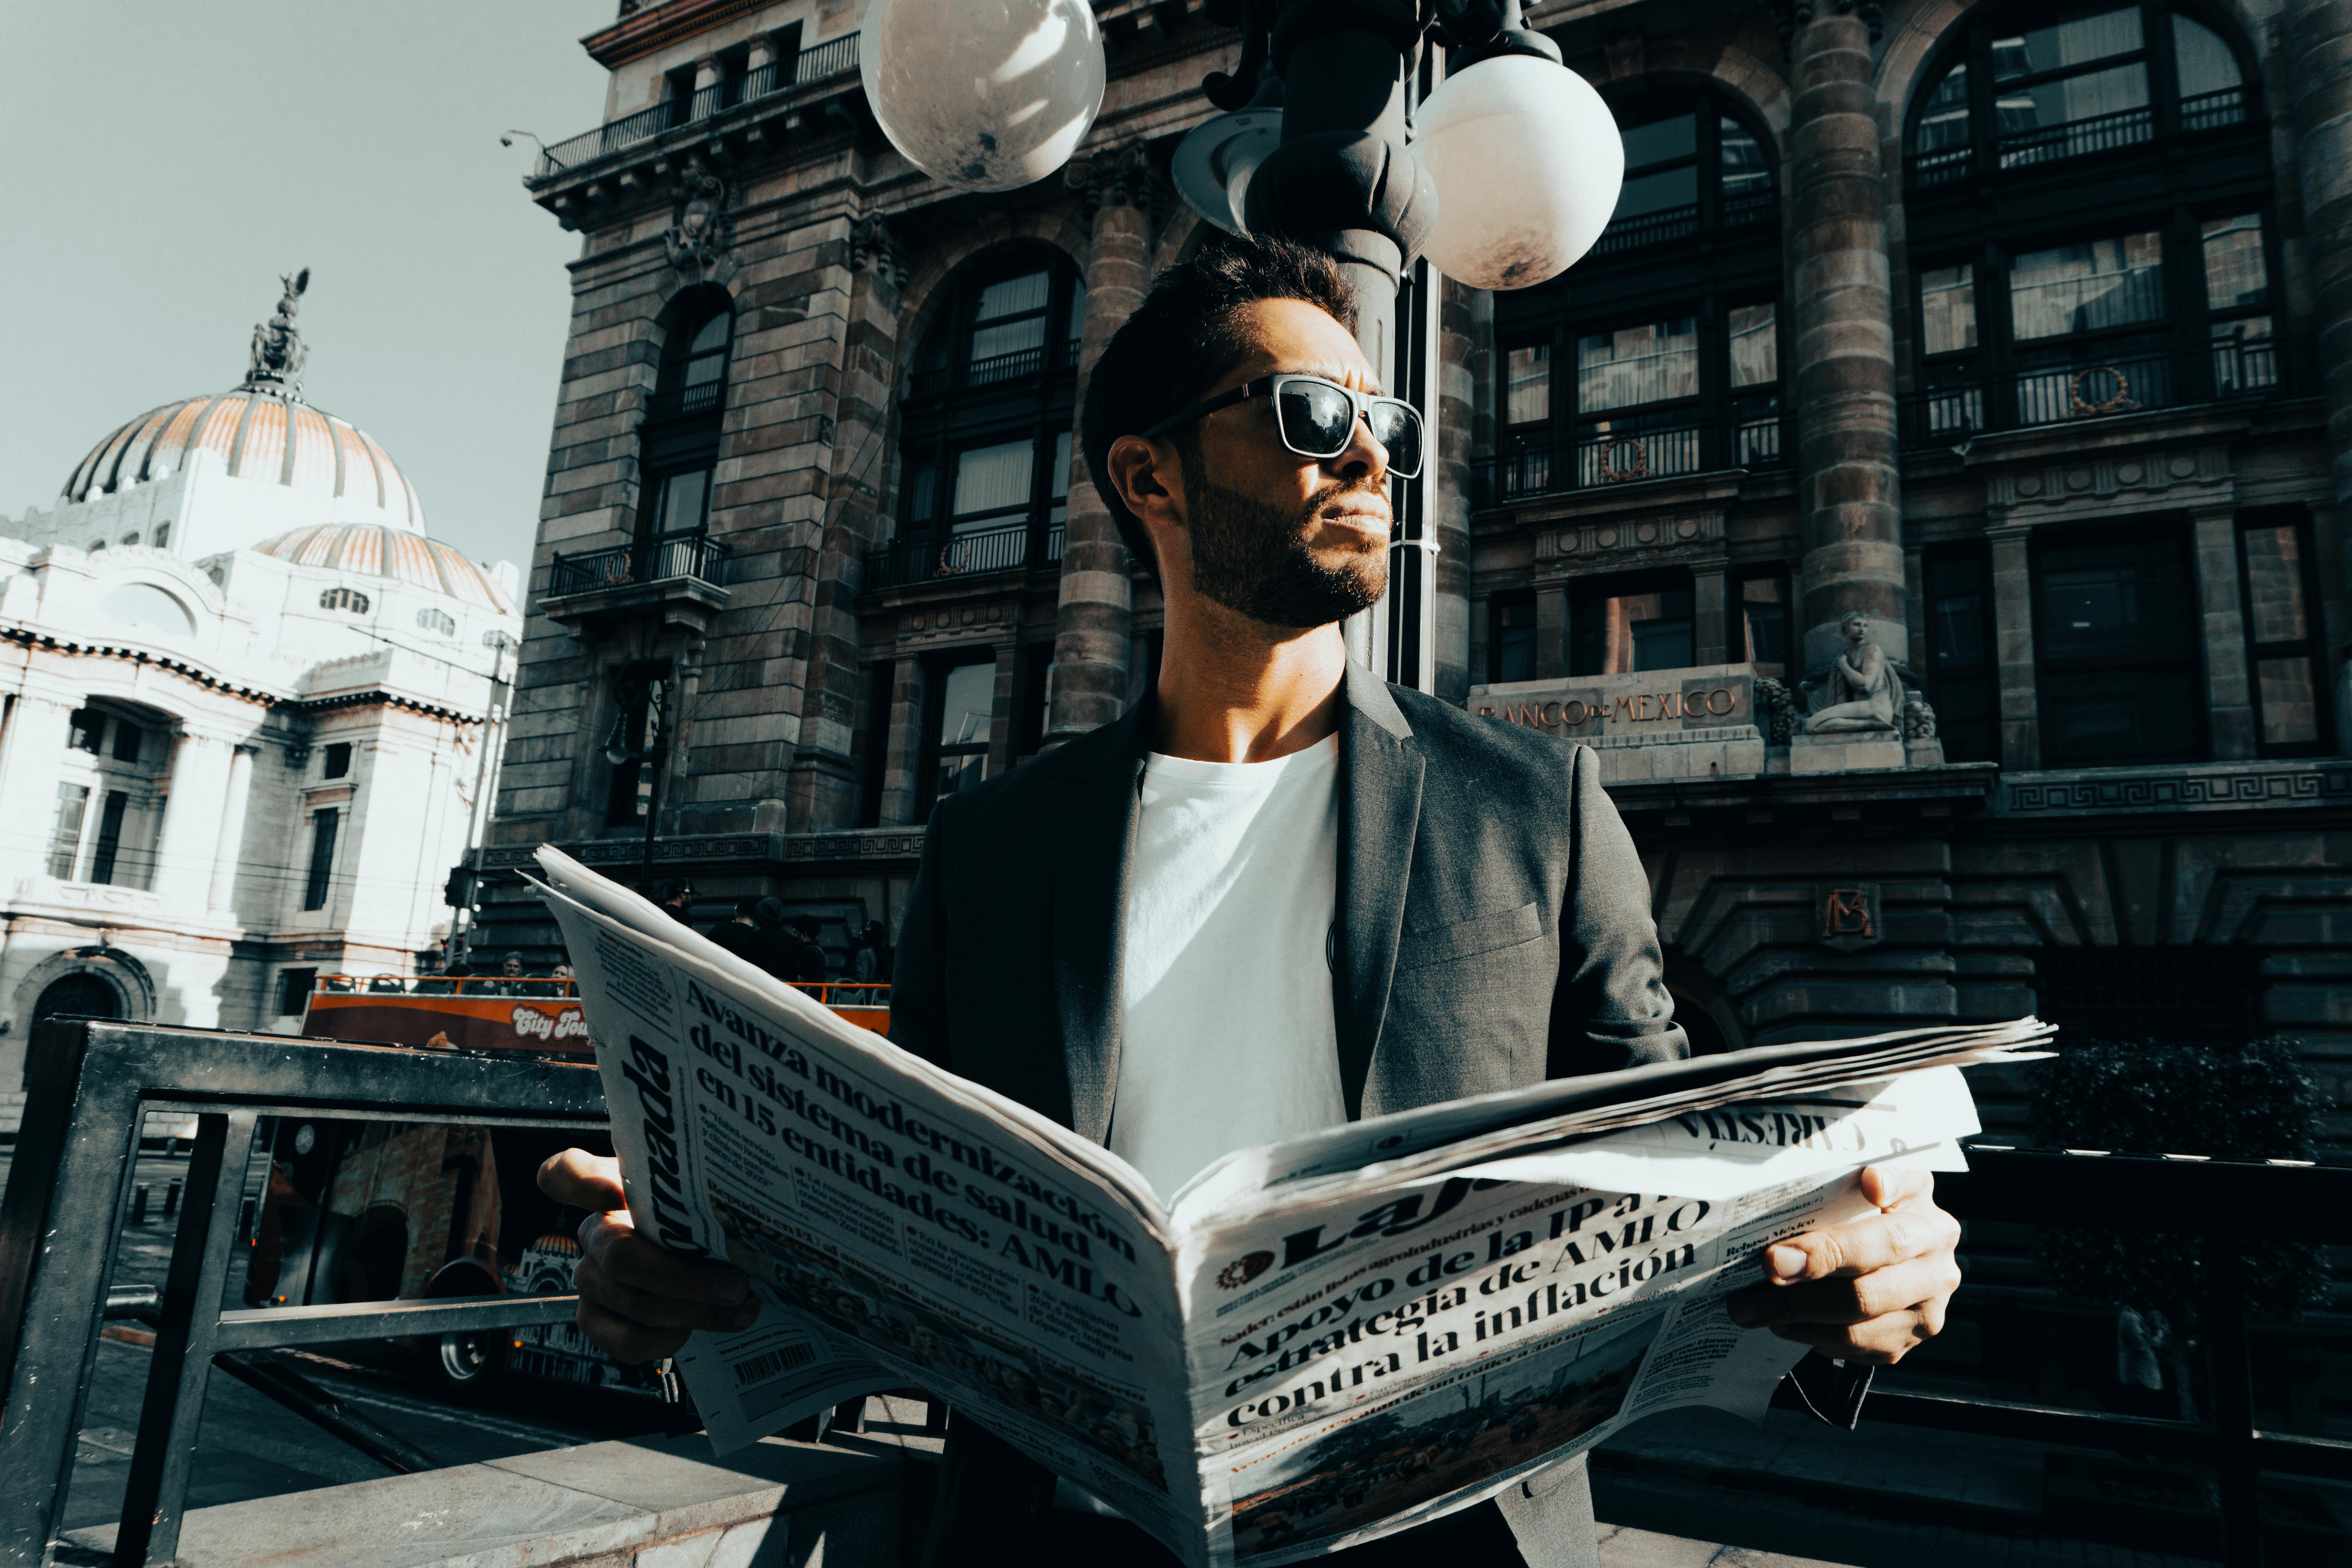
(1278, 894)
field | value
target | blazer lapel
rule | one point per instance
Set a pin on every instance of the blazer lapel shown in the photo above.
(1095, 850)
(1380, 812)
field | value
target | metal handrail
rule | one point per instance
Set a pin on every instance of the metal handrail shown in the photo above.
(677, 555)
(2095, 384)
(1653, 448)
(548, 985)
(2077, 138)
(976, 554)
(828, 60)
(93, 1084)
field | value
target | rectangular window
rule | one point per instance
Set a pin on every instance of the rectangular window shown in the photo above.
(1652, 362)
(1010, 320)
(1962, 681)
(1948, 309)
(1526, 385)
(1057, 486)
(991, 484)
(1641, 621)
(2237, 300)
(110, 837)
(322, 857)
(966, 707)
(2118, 645)
(127, 737)
(64, 838)
(1763, 624)
(294, 988)
(1036, 699)
(684, 503)
(630, 787)
(2087, 288)
(2283, 647)
(338, 759)
(1511, 636)
(86, 731)
(2078, 41)
(1754, 346)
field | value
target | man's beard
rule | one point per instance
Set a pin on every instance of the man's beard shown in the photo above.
(1253, 559)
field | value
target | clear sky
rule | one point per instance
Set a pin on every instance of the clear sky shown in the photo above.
(167, 161)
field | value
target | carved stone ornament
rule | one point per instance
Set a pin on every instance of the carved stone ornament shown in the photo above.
(873, 247)
(1776, 706)
(1919, 719)
(1791, 16)
(1120, 175)
(1850, 916)
(278, 353)
(701, 230)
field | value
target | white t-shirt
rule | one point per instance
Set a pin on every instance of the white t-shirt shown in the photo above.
(1227, 1037)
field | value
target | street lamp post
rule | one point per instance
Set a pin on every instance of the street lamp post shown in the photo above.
(654, 756)
(1507, 178)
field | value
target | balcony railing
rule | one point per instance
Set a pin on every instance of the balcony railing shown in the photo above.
(829, 59)
(2092, 388)
(2078, 138)
(1663, 449)
(1742, 210)
(995, 369)
(695, 556)
(676, 402)
(976, 554)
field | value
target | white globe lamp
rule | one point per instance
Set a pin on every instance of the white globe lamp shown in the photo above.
(1528, 165)
(984, 95)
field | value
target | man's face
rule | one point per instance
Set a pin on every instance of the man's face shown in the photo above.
(514, 966)
(1282, 539)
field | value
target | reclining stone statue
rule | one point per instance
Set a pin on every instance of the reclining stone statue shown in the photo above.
(1863, 693)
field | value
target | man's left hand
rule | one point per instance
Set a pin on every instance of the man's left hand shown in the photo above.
(1869, 1291)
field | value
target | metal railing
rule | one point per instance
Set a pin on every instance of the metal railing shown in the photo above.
(2090, 388)
(1664, 448)
(827, 61)
(695, 556)
(973, 554)
(1743, 210)
(699, 397)
(2077, 138)
(69, 1186)
(995, 369)
(446, 986)
(2223, 1204)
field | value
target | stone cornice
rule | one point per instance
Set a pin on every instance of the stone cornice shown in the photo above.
(2272, 785)
(212, 680)
(655, 27)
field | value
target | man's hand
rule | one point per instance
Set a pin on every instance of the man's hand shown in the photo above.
(1869, 1291)
(637, 1302)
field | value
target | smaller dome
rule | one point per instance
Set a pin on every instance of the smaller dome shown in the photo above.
(369, 551)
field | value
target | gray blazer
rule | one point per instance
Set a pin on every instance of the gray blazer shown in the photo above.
(1494, 930)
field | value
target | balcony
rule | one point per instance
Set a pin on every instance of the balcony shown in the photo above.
(980, 553)
(834, 59)
(2234, 371)
(2077, 139)
(1747, 209)
(680, 580)
(1657, 447)
(996, 369)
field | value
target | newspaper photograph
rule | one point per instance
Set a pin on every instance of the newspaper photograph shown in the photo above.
(1316, 1344)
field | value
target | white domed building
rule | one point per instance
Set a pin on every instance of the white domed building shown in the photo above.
(244, 701)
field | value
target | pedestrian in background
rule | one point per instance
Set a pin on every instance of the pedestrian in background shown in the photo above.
(677, 901)
(740, 935)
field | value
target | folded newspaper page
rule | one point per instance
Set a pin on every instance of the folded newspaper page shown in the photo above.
(1315, 1343)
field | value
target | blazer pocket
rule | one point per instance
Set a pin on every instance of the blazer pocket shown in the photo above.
(1467, 939)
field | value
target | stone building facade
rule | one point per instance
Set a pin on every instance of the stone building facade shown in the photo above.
(2027, 335)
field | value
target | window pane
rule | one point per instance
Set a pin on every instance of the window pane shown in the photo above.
(2290, 709)
(2070, 99)
(1013, 296)
(2203, 60)
(1624, 634)
(922, 490)
(1514, 630)
(1755, 347)
(1764, 619)
(1947, 309)
(683, 501)
(2236, 274)
(1077, 309)
(2075, 42)
(712, 334)
(65, 840)
(1637, 364)
(2091, 612)
(1657, 193)
(2275, 585)
(1011, 337)
(2082, 288)
(1661, 140)
(1944, 122)
(989, 478)
(1058, 480)
(1527, 385)
(1744, 168)
(965, 707)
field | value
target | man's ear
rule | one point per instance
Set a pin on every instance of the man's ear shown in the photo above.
(1145, 476)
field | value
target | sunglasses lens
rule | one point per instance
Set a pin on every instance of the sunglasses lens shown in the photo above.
(1397, 427)
(1315, 418)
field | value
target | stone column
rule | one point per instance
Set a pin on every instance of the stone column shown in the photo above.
(229, 845)
(1090, 639)
(185, 849)
(1710, 625)
(905, 753)
(1552, 632)
(2319, 76)
(34, 745)
(1003, 699)
(2013, 620)
(1849, 487)
(1455, 393)
(2229, 697)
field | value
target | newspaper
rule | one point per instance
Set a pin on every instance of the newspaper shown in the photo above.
(1315, 1343)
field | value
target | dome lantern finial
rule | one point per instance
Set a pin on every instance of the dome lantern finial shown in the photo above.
(275, 365)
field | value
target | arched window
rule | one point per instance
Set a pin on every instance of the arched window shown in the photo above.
(2033, 84)
(348, 600)
(1691, 164)
(437, 623)
(680, 441)
(694, 374)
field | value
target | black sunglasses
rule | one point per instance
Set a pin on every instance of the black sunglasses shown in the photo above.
(1316, 418)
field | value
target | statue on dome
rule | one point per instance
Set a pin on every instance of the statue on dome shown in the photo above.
(1862, 692)
(278, 353)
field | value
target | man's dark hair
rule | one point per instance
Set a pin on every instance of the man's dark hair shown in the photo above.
(1185, 338)
(769, 912)
(748, 907)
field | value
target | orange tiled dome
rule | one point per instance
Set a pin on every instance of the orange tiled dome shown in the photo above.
(370, 551)
(260, 437)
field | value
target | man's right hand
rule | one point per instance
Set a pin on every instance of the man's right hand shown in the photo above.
(637, 1302)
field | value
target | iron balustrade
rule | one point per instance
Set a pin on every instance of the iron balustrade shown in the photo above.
(2078, 138)
(2224, 1204)
(833, 58)
(975, 553)
(1664, 447)
(2093, 387)
(70, 1187)
(678, 402)
(1744, 209)
(994, 370)
(695, 556)
(2212, 111)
